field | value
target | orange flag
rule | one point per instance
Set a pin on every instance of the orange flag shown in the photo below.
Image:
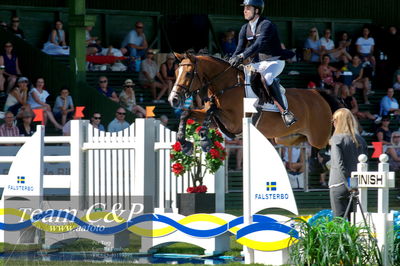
(38, 115)
(79, 112)
(378, 150)
(149, 111)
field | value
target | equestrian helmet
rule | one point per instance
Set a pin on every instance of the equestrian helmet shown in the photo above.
(256, 3)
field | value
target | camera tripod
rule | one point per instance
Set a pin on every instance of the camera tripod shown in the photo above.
(354, 201)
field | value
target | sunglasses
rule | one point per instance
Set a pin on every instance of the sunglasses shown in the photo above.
(27, 117)
(96, 117)
(395, 137)
(8, 46)
(139, 27)
(313, 31)
(103, 81)
(121, 113)
(15, 21)
(128, 86)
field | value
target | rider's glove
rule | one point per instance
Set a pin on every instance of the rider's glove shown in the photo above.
(235, 61)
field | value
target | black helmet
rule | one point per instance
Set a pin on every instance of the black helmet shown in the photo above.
(255, 3)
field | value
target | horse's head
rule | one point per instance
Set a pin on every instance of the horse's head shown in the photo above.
(187, 80)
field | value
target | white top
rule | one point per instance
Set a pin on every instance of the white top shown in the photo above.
(295, 155)
(394, 105)
(328, 44)
(365, 44)
(133, 38)
(150, 67)
(11, 100)
(42, 96)
(253, 25)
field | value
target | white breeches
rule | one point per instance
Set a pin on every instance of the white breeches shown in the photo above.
(269, 69)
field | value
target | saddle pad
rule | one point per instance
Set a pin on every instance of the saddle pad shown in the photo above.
(268, 107)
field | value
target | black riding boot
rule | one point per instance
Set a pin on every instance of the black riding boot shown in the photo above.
(287, 116)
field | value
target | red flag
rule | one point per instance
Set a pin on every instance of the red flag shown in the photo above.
(79, 112)
(38, 115)
(378, 150)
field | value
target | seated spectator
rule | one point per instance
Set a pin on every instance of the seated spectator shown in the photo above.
(326, 73)
(365, 47)
(167, 70)
(351, 103)
(92, 43)
(345, 42)
(15, 29)
(11, 71)
(95, 120)
(383, 133)
(128, 100)
(294, 162)
(56, 44)
(2, 80)
(238, 151)
(111, 51)
(135, 42)
(8, 129)
(228, 43)
(151, 77)
(328, 48)
(389, 104)
(64, 106)
(106, 90)
(312, 45)
(359, 82)
(37, 100)
(396, 84)
(394, 152)
(26, 128)
(118, 122)
(17, 98)
(3, 25)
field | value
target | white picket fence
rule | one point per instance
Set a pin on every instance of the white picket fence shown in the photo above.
(115, 167)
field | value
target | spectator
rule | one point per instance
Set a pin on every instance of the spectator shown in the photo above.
(167, 70)
(164, 120)
(328, 48)
(119, 122)
(37, 100)
(106, 90)
(365, 47)
(236, 149)
(345, 42)
(389, 104)
(312, 45)
(396, 84)
(151, 77)
(56, 44)
(229, 43)
(26, 128)
(359, 82)
(3, 25)
(392, 48)
(128, 100)
(293, 158)
(2, 80)
(17, 98)
(64, 106)
(355, 110)
(383, 133)
(92, 43)
(95, 120)
(10, 61)
(135, 42)
(394, 152)
(8, 129)
(326, 73)
(15, 29)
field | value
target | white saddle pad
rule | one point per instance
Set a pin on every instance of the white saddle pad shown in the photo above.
(267, 106)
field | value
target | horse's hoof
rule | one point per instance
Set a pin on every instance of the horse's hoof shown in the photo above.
(187, 148)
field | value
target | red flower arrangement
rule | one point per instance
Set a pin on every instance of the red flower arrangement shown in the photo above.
(198, 163)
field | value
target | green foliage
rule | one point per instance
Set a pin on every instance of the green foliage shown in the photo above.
(334, 242)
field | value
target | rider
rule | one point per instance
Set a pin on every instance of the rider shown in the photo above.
(259, 41)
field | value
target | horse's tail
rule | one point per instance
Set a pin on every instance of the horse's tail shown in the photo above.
(333, 103)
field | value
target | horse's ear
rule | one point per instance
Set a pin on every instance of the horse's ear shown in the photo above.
(180, 57)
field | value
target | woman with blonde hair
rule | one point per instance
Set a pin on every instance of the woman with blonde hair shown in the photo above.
(346, 146)
(312, 46)
(394, 152)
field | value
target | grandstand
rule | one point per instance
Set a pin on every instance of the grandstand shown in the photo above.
(113, 20)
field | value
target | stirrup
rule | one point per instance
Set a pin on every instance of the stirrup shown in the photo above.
(288, 118)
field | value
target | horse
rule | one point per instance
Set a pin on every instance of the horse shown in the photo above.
(213, 78)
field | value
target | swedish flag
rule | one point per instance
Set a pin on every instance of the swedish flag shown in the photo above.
(21, 179)
(271, 186)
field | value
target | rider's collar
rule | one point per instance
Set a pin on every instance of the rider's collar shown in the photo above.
(253, 25)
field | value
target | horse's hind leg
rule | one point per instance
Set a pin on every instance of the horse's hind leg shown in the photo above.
(291, 140)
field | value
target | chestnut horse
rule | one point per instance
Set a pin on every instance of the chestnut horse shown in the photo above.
(214, 78)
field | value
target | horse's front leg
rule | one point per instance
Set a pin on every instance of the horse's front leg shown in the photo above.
(187, 146)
